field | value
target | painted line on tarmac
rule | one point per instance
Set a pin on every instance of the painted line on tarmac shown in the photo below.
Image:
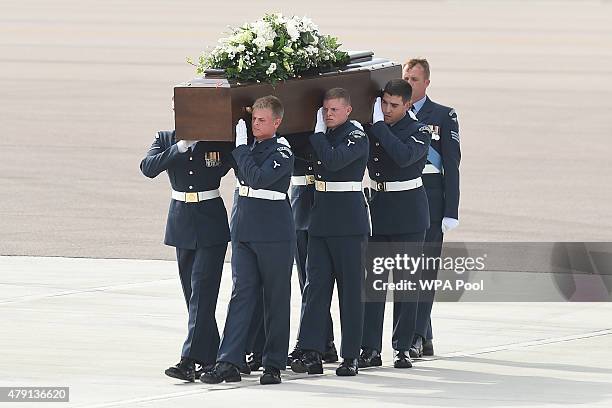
(29, 298)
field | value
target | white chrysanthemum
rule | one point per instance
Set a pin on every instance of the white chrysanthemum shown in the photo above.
(271, 69)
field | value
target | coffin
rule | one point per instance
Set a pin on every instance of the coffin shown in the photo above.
(208, 108)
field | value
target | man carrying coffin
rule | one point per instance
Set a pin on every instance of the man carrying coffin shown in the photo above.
(337, 234)
(263, 242)
(400, 213)
(197, 226)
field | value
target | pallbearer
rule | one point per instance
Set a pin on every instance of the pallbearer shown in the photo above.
(400, 214)
(337, 235)
(197, 226)
(263, 242)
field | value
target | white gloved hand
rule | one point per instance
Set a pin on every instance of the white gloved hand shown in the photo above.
(183, 145)
(377, 115)
(241, 133)
(320, 126)
(357, 124)
(449, 224)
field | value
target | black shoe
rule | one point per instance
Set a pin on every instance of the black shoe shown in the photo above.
(201, 369)
(254, 361)
(310, 363)
(370, 358)
(244, 367)
(271, 375)
(330, 355)
(294, 355)
(401, 359)
(416, 351)
(184, 370)
(221, 372)
(348, 368)
(428, 348)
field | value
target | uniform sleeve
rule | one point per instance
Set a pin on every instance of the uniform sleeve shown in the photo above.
(451, 156)
(277, 165)
(402, 153)
(335, 158)
(229, 162)
(161, 155)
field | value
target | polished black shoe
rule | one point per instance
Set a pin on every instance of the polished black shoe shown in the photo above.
(271, 375)
(310, 362)
(244, 367)
(401, 359)
(348, 368)
(295, 354)
(222, 371)
(369, 358)
(201, 369)
(330, 355)
(416, 351)
(184, 370)
(254, 361)
(428, 348)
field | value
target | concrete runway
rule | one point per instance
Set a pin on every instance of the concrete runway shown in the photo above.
(108, 328)
(85, 85)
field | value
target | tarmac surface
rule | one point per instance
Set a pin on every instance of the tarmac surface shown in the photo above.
(89, 295)
(107, 328)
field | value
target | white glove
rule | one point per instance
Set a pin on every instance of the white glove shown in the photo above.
(354, 122)
(183, 145)
(449, 224)
(320, 126)
(241, 133)
(377, 115)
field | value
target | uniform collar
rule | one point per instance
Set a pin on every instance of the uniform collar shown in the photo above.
(337, 128)
(419, 104)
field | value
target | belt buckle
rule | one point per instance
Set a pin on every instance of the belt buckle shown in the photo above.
(380, 186)
(191, 197)
(319, 185)
(310, 179)
(243, 191)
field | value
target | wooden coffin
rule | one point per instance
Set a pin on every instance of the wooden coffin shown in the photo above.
(208, 108)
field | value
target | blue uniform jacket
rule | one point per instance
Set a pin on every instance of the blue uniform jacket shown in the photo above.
(265, 165)
(341, 155)
(443, 191)
(398, 153)
(191, 225)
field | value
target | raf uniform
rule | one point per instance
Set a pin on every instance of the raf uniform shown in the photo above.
(197, 226)
(263, 242)
(441, 180)
(400, 214)
(339, 225)
(301, 194)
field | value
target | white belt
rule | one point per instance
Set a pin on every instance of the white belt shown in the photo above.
(246, 191)
(430, 169)
(338, 186)
(397, 185)
(302, 180)
(196, 196)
